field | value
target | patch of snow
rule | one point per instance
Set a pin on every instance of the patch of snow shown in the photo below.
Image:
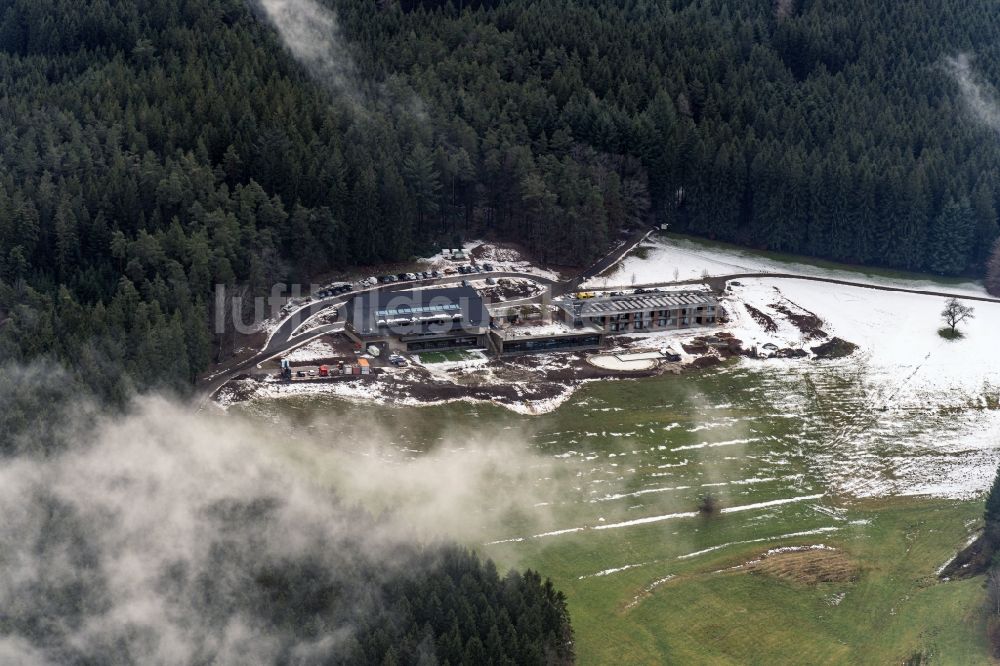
(503, 259)
(474, 359)
(528, 330)
(317, 349)
(968, 542)
(557, 532)
(365, 391)
(776, 502)
(648, 519)
(608, 572)
(790, 535)
(702, 445)
(648, 589)
(614, 362)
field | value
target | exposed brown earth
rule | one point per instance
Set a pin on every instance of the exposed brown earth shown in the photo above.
(834, 348)
(807, 567)
(805, 321)
(764, 320)
(507, 289)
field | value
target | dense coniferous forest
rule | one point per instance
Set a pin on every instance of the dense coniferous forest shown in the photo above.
(448, 607)
(153, 149)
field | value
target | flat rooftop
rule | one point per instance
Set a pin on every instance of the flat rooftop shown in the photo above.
(414, 310)
(551, 329)
(605, 305)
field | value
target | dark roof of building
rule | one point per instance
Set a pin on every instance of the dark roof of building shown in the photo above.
(669, 300)
(456, 308)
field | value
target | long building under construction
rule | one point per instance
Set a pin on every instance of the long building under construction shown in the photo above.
(651, 311)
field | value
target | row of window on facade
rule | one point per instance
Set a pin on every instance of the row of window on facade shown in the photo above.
(640, 324)
(710, 310)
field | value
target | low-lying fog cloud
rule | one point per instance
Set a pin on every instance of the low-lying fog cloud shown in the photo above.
(979, 97)
(311, 33)
(147, 539)
(313, 36)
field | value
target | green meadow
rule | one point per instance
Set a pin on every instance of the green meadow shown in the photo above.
(446, 356)
(602, 496)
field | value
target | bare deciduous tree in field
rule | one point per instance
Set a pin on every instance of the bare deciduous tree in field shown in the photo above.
(955, 313)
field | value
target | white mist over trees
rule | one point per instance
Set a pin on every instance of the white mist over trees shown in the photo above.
(979, 96)
(312, 34)
(161, 536)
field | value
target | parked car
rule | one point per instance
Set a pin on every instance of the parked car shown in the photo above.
(435, 274)
(411, 276)
(300, 373)
(487, 267)
(466, 283)
(490, 281)
(312, 373)
(450, 271)
(397, 360)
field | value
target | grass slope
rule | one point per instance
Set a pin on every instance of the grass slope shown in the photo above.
(894, 610)
(447, 356)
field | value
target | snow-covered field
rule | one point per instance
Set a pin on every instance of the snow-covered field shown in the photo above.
(909, 413)
(895, 331)
(669, 259)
